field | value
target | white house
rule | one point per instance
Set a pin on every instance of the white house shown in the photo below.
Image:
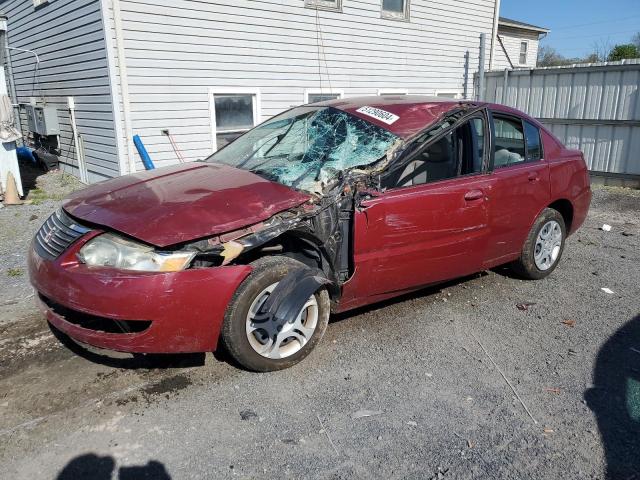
(204, 71)
(517, 44)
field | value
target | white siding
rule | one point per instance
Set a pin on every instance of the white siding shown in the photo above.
(176, 50)
(69, 38)
(511, 39)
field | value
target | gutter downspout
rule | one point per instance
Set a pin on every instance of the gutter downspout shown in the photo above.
(82, 166)
(124, 84)
(481, 67)
(494, 34)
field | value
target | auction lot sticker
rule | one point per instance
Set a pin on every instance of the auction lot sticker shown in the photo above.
(379, 114)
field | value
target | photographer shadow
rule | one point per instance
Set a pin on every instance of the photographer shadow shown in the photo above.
(94, 467)
(615, 400)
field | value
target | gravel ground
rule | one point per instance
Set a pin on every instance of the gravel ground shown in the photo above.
(452, 382)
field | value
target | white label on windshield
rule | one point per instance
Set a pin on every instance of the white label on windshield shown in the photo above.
(382, 115)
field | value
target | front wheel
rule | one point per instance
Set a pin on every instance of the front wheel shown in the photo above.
(543, 248)
(252, 345)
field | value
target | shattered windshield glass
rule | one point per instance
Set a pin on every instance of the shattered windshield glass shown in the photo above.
(307, 147)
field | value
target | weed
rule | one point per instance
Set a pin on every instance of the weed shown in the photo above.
(14, 272)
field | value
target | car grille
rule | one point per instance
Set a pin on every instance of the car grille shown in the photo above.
(56, 234)
(93, 322)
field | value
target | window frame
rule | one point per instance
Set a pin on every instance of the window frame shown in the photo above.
(447, 94)
(525, 53)
(496, 113)
(526, 143)
(328, 5)
(482, 113)
(392, 91)
(312, 91)
(257, 114)
(405, 16)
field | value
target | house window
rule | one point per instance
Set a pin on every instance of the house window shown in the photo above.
(448, 95)
(524, 47)
(334, 5)
(395, 9)
(392, 91)
(233, 113)
(313, 96)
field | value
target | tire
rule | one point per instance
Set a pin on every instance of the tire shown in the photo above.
(267, 272)
(532, 268)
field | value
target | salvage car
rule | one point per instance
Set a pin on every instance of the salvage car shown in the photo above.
(324, 208)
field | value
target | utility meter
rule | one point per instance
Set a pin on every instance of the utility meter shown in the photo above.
(43, 120)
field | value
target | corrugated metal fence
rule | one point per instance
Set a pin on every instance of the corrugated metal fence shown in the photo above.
(595, 108)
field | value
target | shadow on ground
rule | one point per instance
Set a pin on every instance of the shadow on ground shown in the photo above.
(421, 292)
(165, 361)
(615, 400)
(91, 466)
(29, 174)
(130, 362)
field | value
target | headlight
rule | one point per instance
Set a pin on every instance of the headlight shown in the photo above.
(108, 250)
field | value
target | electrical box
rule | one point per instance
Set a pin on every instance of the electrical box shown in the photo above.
(43, 120)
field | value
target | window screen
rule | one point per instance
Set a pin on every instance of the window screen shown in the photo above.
(393, 6)
(234, 115)
(322, 97)
(395, 9)
(324, 4)
(509, 144)
(524, 47)
(534, 144)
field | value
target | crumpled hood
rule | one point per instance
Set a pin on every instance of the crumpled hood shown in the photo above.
(182, 203)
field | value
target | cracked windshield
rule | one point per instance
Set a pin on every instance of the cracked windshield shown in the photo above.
(306, 147)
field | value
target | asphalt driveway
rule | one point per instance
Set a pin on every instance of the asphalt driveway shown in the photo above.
(485, 377)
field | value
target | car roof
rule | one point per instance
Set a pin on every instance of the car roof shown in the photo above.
(414, 112)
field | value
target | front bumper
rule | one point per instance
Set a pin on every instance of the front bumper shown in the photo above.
(182, 311)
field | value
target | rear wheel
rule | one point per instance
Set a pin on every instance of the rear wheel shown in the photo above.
(250, 344)
(544, 246)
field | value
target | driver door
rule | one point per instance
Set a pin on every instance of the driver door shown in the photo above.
(433, 223)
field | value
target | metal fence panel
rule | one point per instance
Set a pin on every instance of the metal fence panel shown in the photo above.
(594, 107)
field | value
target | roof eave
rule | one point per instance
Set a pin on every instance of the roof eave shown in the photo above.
(528, 28)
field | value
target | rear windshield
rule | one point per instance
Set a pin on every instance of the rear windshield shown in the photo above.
(307, 147)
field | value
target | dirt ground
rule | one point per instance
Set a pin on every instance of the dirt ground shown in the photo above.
(484, 377)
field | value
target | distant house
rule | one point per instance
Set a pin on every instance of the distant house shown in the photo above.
(206, 71)
(517, 44)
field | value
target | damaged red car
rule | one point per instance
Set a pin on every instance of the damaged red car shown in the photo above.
(321, 209)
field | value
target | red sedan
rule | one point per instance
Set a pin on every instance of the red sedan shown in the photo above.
(321, 209)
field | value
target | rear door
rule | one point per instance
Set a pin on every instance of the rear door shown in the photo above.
(522, 186)
(432, 223)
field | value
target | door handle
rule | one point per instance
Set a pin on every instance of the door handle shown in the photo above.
(473, 195)
(534, 177)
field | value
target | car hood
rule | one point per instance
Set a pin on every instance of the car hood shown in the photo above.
(181, 203)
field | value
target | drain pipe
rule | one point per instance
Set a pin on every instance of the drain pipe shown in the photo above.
(467, 63)
(82, 167)
(494, 33)
(483, 55)
(124, 84)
